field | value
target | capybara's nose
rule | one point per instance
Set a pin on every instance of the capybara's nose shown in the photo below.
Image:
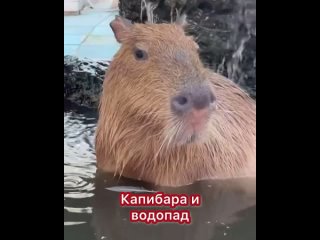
(197, 98)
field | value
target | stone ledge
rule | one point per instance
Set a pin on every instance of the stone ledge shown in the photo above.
(83, 80)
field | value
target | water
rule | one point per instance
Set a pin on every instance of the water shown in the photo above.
(79, 172)
(91, 200)
(149, 7)
(244, 28)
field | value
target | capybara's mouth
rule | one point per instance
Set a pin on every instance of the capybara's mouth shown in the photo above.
(190, 128)
(187, 133)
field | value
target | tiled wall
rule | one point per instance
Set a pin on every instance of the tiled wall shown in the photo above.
(90, 36)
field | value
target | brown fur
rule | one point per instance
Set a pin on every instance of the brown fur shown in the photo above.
(136, 129)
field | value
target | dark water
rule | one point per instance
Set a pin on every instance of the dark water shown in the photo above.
(91, 201)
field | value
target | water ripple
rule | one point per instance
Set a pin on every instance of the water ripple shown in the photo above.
(79, 168)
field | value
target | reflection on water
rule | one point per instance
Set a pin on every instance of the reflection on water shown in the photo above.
(91, 201)
(79, 171)
(227, 212)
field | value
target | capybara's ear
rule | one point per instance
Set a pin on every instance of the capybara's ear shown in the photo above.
(182, 21)
(121, 28)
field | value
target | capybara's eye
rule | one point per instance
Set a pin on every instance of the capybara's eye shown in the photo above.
(140, 54)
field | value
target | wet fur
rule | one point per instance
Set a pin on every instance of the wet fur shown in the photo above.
(137, 132)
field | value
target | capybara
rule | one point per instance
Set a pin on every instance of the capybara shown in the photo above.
(166, 119)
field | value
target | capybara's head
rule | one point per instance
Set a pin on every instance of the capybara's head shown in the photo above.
(161, 81)
(159, 106)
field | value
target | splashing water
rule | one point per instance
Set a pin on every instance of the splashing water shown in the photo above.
(149, 7)
(174, 8)
(221, 66)
(233, 67)
(244, 29)
(143, 7)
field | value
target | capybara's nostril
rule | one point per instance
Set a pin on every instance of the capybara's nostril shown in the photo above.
(180, 104)
(196, 97)
(182, 100)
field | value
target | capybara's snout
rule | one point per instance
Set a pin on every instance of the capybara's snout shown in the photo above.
(193, 98)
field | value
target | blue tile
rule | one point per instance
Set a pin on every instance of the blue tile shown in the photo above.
(102, 30)
(102, 52)
(100, 40)
(70, 49)
(77, 30)
(112, 15)
(84, 20)
(73, 39)
(89, 35)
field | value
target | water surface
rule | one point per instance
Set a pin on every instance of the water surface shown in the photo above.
(91, 200)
